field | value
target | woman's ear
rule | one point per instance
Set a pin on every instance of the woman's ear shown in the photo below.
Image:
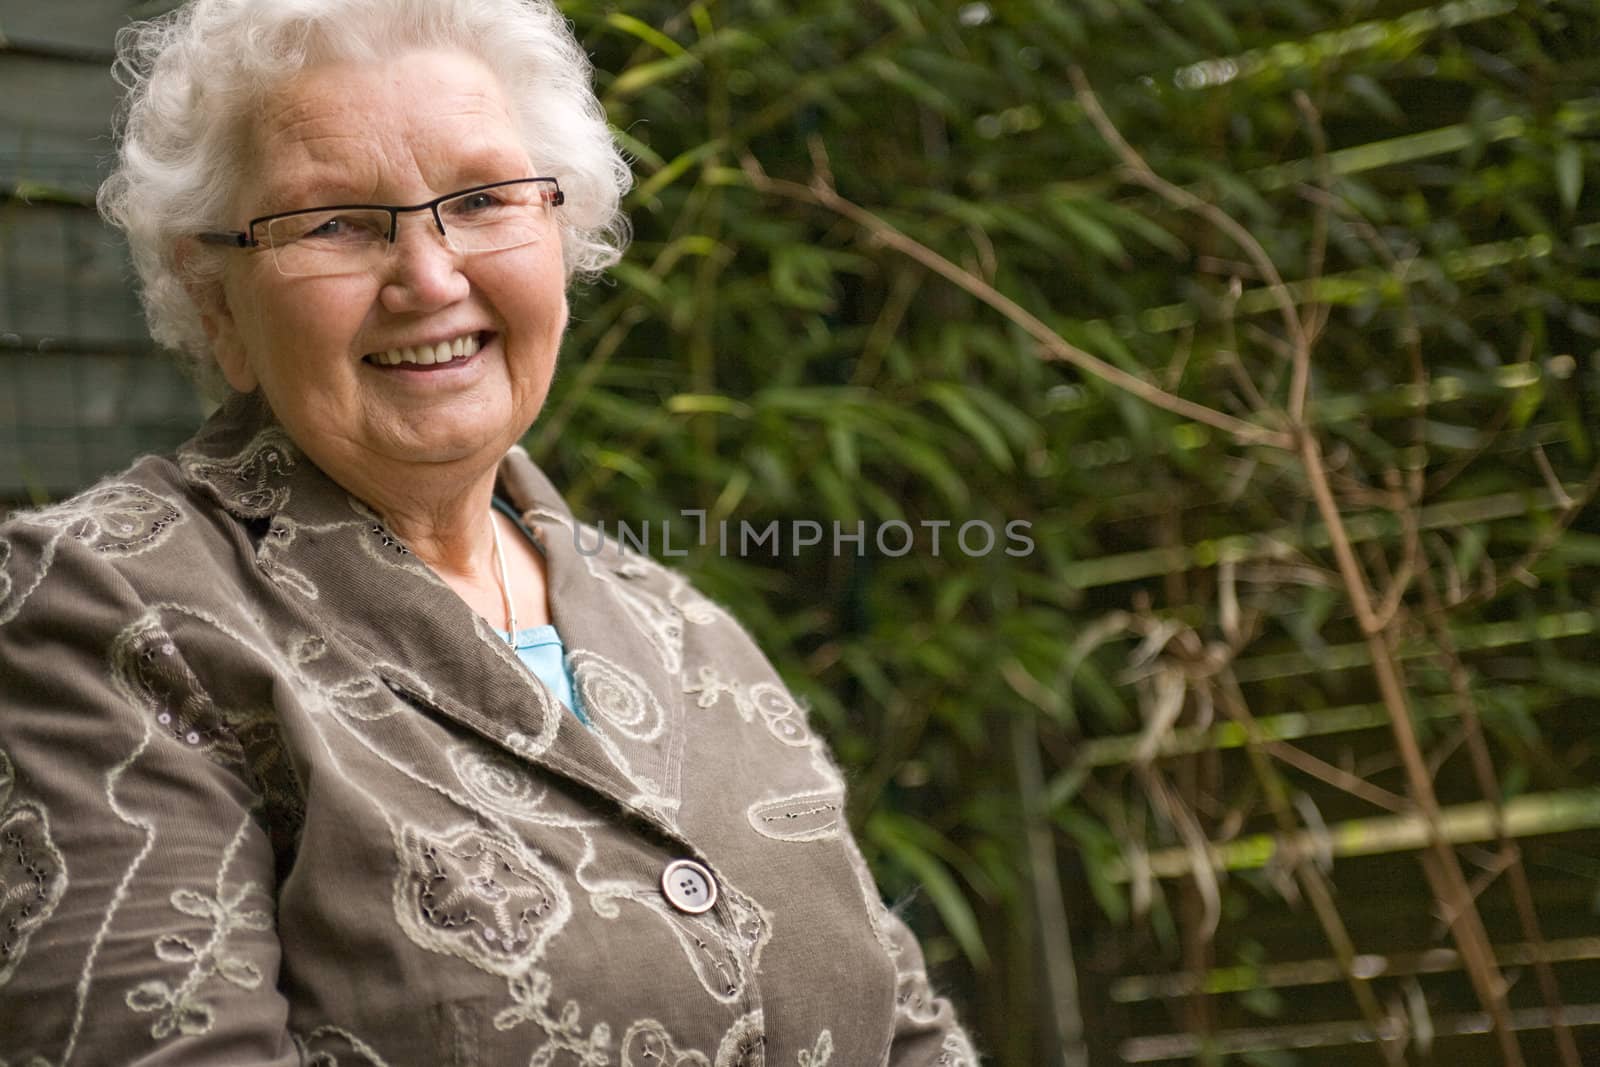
(210, 298)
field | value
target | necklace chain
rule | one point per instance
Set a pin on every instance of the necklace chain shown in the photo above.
(505, 580)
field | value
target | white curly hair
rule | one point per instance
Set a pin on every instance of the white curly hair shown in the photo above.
(195, 76)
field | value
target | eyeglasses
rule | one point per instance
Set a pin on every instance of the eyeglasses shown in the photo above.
(352, 238)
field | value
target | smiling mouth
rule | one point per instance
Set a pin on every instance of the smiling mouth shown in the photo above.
(429, 357)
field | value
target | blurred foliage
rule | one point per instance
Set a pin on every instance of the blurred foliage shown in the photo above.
(759, 358)
(1040, 743)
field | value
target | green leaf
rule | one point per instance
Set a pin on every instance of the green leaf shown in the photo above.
(1089, 230)
(646, 33)
(637, 278)
(842, 446)
(637, 78)
(1370, 93)
(675, 170)
(693, 404)
(802, 277)
(928, 461)
(979, 428)
(1100, 852)
(1569, 174)
(890, 834)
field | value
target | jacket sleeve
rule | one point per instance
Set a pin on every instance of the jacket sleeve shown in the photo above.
(926, 1031)
(136, 888)
(925, 1028)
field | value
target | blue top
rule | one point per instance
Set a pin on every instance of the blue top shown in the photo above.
(540, 648)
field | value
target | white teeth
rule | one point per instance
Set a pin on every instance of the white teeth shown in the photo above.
(427, 355)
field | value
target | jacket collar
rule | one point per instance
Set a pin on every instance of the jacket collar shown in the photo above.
(355, 583)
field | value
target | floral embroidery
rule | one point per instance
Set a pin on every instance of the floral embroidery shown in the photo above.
(388, 540)
(914, 999)
(6, 584)
(821, 1054)
(280, 536)
(33, 875)
(116, 519)
(744, 1045)
(532, 994)
(649, 1044)
(480, 896)
(246, 483)
(370, 531)
(150, 671)
(325, 1058)
(723, 953)
(290, 578)
(660, 621)
(696, 608)
(783, 717)
(178, 1009)
(496, 782)
(617, 695)
(807, 817)
(710, 688)
(957, 1051)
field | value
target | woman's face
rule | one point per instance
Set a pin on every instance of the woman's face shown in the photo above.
(398, 132)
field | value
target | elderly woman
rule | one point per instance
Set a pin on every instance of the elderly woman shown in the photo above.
(320, 741)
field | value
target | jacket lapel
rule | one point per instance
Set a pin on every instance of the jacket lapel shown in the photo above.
(356, 582)
(624, 636)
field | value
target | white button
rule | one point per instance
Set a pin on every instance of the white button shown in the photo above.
(689, 887)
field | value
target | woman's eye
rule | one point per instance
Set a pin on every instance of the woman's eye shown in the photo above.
(345, 228)
(478, 202)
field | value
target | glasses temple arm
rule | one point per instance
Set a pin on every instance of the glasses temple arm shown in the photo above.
(231, 240)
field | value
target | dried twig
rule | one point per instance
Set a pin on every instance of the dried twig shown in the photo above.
(1137, 170)
(1440, 863)
(1053, 345)
(1312, 881)
(1489, 785)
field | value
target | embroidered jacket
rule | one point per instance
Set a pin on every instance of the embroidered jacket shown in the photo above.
(272, 794)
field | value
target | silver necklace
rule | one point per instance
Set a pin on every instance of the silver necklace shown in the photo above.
(505, 582)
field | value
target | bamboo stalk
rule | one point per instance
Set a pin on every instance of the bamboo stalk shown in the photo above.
(1186, 1047)
(1311, 879)
(1489, 783)
(1272, 544)
(1290, 726)
(1525, 816)
(1045, 880)
(1288, 974)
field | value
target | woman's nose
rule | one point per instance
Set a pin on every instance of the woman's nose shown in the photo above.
(422, 272)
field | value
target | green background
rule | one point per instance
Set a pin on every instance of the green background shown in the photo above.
(1037, 744)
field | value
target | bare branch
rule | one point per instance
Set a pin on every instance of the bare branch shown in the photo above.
(1557, 490)
(1141, 173)
(1053, 344)
(1300, 386)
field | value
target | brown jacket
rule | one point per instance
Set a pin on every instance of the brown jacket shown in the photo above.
(270, 793)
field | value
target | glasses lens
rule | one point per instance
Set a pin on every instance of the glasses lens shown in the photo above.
(328, 242)
(506, 216)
